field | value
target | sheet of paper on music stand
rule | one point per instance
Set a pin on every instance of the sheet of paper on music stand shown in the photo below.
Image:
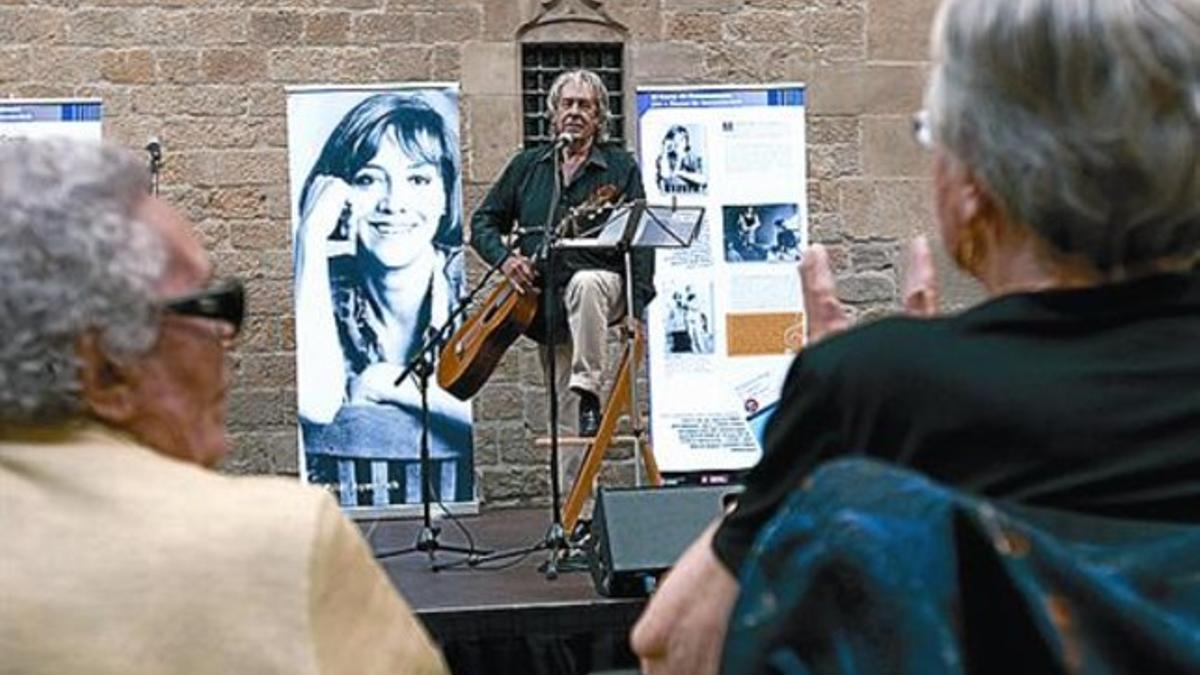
(612, 233)
(668, 226)
(614, 229)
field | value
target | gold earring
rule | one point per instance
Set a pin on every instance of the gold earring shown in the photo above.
(971, 248)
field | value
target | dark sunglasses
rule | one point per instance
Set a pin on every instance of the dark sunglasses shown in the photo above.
(223, 300)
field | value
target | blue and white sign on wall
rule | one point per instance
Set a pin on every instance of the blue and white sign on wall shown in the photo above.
(41, 118)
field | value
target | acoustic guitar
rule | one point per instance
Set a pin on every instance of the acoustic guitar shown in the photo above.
(471, 355)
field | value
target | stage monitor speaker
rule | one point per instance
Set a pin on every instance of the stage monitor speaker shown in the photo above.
(638, 533)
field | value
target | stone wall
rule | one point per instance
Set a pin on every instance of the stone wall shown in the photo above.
(208, 78)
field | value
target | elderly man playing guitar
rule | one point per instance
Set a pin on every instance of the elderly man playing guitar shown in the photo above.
(589, 284)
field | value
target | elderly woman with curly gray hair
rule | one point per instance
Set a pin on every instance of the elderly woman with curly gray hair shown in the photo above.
(1064, 136)
(122, 552)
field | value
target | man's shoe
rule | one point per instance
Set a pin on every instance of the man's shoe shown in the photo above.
(589, 414)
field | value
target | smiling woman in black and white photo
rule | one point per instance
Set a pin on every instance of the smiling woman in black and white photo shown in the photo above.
(378, 264)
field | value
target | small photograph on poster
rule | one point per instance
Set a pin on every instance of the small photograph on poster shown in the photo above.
(378, 253)
(762, 233)
(679, 167)
(689, 320)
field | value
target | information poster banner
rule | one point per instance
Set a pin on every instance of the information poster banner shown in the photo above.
(78, 119)
(377, 232)
(728, 317)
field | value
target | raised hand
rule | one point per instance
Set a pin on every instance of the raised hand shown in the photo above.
(919, 291)
(329, 199)
(825, 313)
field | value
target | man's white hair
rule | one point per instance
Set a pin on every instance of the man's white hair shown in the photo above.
(594, 84)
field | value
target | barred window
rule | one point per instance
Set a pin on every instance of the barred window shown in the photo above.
(541, 62)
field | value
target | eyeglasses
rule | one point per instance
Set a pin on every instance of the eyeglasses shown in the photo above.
(922, 129)
(224, 300)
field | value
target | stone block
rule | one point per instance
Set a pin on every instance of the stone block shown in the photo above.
(693, 26)
(822, 197)
(893, 89)
(259, 452)
(276, 27)
(268, 100)
(834, 129)
(874, 257)
(178, 66)
(376, 28)
(835, 89)
(14, 64)
(40, 90)
(447, 63)
(258, 335)
(260, 409)
(490, 68)
(867, 287)
(270, 297)
(213, 234)
(838, 36)
(663, 63)
(645, 22)
(724, 5)
(893, 208)
(127, 66)
(42, 25)
(757, 26)
(618, 474)
(165, 100)
(201, 28)
(834, 161)
(259, 235)
(514, 484)
(71, 66)
(495, 124)
(462, 24)
(407, 62)
(237, 167)
(353, 4)
(326, 28)
(233, 65)
(898, 30)
(286, 332)
(498, 401)
(252, 264)
(812, 6)
(890, 149)
(502, 19)
(325, 64)
(264, 371)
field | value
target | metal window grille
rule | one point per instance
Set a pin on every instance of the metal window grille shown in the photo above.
(543, 61)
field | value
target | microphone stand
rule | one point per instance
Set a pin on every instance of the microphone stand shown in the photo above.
(422, 366)
(555, 540)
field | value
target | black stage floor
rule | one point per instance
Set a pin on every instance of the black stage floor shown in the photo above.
(511, 620)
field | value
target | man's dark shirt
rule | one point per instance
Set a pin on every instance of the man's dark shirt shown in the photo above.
(1085, 400)
(522, 195)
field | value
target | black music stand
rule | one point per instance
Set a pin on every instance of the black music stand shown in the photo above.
(422, 367)
(555, 539)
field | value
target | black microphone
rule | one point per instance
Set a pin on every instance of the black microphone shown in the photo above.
(564, 139)
(155, 149)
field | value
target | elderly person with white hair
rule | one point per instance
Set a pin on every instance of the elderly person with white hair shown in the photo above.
(1064, 136)
(121, 552)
